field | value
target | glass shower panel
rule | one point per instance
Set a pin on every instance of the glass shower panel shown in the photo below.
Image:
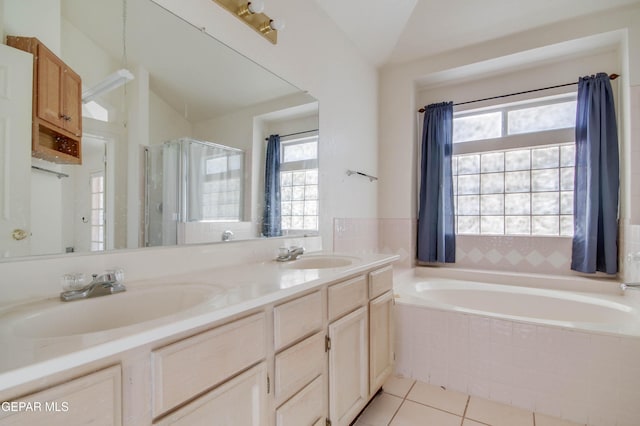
(214, 183)
(190, 181)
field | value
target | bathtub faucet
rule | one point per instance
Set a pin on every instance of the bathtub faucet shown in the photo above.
(633, 286)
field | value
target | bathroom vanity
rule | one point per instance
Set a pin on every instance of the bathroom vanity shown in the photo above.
(275, 343)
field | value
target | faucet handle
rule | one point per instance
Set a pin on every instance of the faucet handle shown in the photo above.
(117, 274)
(283, 252)
(72, 281)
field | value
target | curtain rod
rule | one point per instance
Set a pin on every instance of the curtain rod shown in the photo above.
(293, 134)
(611, 77)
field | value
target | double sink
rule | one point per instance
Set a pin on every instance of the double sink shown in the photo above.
(53, 319)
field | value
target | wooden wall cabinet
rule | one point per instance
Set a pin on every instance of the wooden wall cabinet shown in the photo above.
(57, 104)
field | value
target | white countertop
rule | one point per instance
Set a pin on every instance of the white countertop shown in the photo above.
(240, 289)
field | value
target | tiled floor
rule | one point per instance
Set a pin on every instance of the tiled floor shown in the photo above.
(406, 402)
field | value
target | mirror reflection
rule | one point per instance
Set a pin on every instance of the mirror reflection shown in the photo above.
(172, 153)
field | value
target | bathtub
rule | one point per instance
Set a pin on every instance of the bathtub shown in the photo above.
(606, 313)
(563, 353)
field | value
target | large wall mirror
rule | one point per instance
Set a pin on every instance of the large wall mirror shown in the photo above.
(174, 156)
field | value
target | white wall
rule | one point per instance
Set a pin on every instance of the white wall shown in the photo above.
(313, 54)
(34, 18)
(165, 123)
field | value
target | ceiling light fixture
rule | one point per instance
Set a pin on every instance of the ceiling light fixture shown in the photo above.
(255, 6)
(272, 25)
(250, 12)
(113, 81)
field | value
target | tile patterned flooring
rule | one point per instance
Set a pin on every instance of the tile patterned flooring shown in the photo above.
(406, 402)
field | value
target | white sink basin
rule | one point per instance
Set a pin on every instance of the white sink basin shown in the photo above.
(108, 312)
(321, 261)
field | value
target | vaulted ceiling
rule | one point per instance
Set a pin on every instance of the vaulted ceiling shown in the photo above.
(403, 30)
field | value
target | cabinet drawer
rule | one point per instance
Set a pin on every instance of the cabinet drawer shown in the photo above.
(380, 281)
(299, 365)
(296, 319)
(346, 296)
(240, 401)
(303, 409)
(94, 399)
(184, 369)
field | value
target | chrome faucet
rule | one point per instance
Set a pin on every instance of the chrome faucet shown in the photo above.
(291, 253)
(101, 285)
(633, 286)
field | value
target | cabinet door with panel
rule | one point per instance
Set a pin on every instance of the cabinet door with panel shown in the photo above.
(348, 366)
(49, 87)
(94, 399)
(71, 102)
(381, 351)
(240, 401)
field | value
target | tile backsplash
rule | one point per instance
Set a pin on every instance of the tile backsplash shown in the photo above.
(548, 255)
(398, 236)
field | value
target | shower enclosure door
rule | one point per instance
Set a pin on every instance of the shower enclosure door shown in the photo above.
(190, 181)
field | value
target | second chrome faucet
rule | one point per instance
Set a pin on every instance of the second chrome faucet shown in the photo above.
(291, 253)
(108, 283)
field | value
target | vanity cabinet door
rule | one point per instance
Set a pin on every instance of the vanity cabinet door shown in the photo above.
(380, 340)
(94, 399)
(348, 366)
(240, 401)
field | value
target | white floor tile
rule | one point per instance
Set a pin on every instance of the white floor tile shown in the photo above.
(468, 422)
(435, 396)
(543, 420)
(414, 414)
(380, 411)
(497, 414)
(426, 404)
(398, 386)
